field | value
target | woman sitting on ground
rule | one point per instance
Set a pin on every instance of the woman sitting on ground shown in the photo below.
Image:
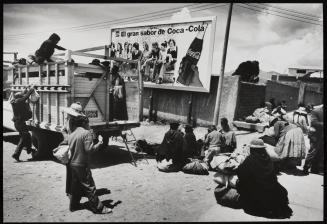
(260, 192)
(189, 143)
(171, 148)
(290, 146)
(228, 136)
(213, 142)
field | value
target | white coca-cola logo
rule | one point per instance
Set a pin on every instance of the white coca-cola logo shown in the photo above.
(194, 54)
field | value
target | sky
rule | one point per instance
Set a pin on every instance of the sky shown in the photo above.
(255, 33)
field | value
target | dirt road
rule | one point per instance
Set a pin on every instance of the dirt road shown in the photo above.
(35, 191)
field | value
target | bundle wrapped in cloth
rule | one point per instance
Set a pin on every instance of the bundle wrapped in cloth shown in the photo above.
(226, 165)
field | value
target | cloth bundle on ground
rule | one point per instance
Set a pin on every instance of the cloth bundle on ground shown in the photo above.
(167, 166)
(227, 196)
(226, 165)
(196, 166)
(260, 115)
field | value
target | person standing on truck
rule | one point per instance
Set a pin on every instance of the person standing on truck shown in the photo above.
(47, 49)
(79, 181)
(118, 95)
(22, 112)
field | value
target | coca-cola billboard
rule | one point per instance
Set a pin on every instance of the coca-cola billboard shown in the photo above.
(173, 54)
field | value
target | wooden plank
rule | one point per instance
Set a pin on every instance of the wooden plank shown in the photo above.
(84, 95)
(27, 75)
(57, 95)
(103, 57)
(84, 50)
(88, 55)
(94, 87)
(34, 67)
(9, 134)
(41, 107)
(20, 76)
(48, 95)
(84, 69)
(68, 74)
(9, 52)
(106, 50)
(249, 126)
(140, 91)
(99, 108)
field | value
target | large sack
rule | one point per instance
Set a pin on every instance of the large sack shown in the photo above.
(62, 153)
(224, 164)
(196, 167)
(225, 179)
(227, 196)
(218, 162)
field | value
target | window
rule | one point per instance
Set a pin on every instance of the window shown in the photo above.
(301, 71)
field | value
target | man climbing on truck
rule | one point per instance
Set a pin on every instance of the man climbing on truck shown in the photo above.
(47, 49)
(22, 112)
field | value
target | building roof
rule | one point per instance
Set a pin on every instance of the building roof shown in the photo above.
(307, 67)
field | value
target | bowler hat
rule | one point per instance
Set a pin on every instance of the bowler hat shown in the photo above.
(75, 109)
(257, 143)
(174, 125)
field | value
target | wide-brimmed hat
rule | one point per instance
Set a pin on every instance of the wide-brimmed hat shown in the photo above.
(257, 143)
(75, 109)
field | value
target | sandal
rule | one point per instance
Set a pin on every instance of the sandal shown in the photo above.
(106, 210)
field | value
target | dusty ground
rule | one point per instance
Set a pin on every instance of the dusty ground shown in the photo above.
(35, 191)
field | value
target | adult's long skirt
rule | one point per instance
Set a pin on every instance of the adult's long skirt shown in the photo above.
(291, 146)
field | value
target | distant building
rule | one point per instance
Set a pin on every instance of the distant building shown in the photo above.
(305, 70)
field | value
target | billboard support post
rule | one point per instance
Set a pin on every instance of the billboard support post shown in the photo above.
(222, 68)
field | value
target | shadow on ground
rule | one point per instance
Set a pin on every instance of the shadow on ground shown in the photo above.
(12, 139)
(114, 155)
(294, 172)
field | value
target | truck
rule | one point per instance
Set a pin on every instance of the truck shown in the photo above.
(64, 82)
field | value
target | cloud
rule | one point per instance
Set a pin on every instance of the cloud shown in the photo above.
(305, 51)
(183, 14)
(296, 24)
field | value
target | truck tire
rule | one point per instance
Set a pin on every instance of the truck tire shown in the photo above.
(45, 141)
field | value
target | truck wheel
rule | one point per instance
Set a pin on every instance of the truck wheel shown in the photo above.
(45, 141)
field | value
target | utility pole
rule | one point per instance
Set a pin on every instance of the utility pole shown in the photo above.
(222, 68)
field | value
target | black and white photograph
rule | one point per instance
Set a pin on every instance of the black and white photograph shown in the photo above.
(163, 112)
